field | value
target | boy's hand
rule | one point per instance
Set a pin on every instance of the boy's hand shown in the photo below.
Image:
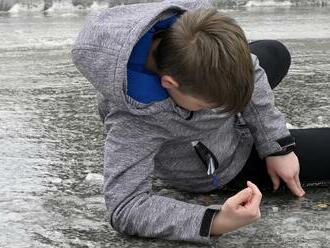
(239, 210)
(287, 168)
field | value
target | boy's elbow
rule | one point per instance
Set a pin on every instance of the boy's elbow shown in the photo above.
(123, 223)
(116, 219)
(121, 214)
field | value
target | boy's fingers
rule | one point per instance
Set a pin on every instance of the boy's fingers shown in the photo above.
(253, 186)
(298, 183)
(293, 186)
(241, 196)
(276, 180)
(256, 196)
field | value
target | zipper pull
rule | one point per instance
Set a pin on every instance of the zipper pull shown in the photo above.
(190, 116)
(208, 159)
(210, 165)
(211, 170)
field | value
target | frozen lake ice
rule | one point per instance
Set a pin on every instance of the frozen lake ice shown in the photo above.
(51, 147)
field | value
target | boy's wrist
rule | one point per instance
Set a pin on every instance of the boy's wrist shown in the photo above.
(218, 225)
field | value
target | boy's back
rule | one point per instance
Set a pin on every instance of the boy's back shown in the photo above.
(157, 137)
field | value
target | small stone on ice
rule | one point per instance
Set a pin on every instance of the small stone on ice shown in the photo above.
(275, 209)
(321, 206)
(94, 178)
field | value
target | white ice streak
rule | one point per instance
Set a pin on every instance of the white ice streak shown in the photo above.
(267, 3)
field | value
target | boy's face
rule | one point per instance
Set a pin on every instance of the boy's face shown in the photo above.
(183, 100)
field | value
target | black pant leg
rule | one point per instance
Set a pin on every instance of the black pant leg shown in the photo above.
(312, 151)
(254, 170)
(314, 154)
(273, 57)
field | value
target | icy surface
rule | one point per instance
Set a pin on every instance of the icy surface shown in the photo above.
(51, 145)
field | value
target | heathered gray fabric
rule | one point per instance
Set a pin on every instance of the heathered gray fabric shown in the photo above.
(156, 138)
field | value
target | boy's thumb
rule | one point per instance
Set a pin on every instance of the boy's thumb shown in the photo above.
(242, 196)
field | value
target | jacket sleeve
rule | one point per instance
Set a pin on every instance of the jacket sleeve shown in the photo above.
(131, 205)
(192, 4)
(266, 123)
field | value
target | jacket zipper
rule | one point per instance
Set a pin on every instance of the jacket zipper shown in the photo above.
(209, 160)
(190, 116)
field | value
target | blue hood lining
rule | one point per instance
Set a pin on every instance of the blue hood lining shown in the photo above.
(143, 85)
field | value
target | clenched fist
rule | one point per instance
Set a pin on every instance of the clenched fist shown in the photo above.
(239, 210)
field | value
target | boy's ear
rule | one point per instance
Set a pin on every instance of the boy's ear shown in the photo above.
(168, 82)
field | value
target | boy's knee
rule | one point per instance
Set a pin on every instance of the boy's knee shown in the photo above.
(281, 52)
(274, 58)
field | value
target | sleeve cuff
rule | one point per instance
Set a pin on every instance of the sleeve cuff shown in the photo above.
(208, 220)
(281, 146)
(268, 148)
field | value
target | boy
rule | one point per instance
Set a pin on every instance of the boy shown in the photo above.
(172, 76)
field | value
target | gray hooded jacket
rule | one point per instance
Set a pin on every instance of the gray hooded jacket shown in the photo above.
(142, 139)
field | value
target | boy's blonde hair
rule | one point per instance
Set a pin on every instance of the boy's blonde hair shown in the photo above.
(207, 53)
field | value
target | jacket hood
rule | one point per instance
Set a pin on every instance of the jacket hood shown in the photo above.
(106, 40)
